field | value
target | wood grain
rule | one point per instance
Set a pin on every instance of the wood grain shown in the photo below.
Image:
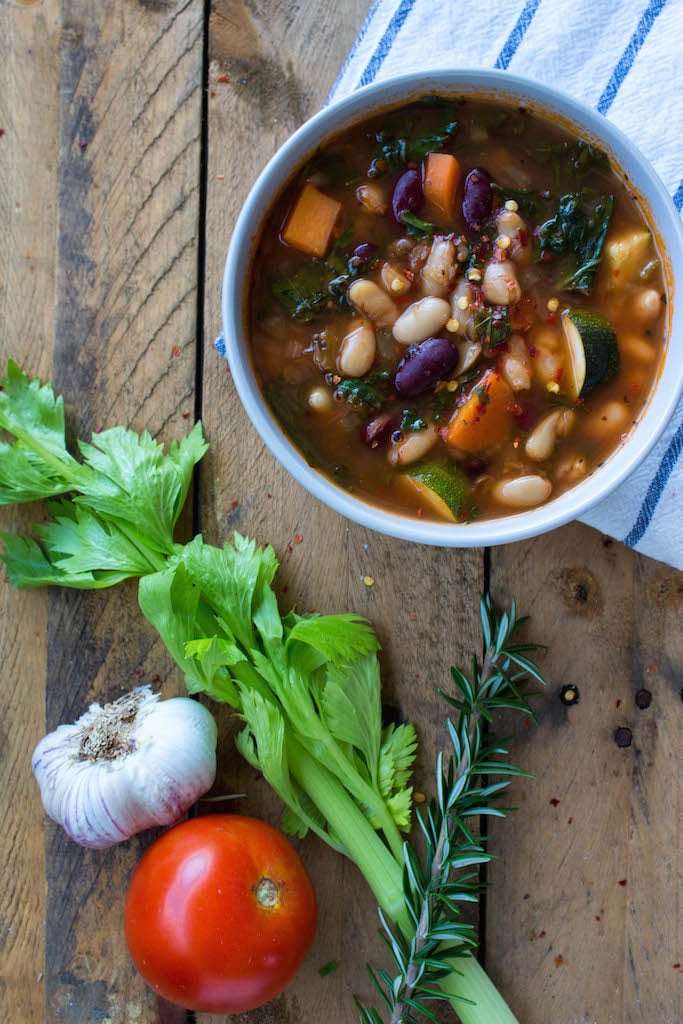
(583, 919)
(28, 218)
(129, 134)
(279, 64)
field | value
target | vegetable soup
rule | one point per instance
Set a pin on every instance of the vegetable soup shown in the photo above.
(456, 310)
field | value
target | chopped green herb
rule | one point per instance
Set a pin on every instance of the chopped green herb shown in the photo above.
(412, 421)
(492, 325)
(528, 199)
(415, 227)
(577, 232)
(304, 294)
(360, 394)
(397, 151)
(329, 968)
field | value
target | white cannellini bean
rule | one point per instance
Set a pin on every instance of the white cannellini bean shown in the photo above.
(634, 347)
(462, 296)
(438, 273)
(515, 365)
(500, 283)
(549, 338)
(511, 224)
(611, 419)
(357, 350)
(414, 446)
(373, 197)
(320, 400)
(545, 365)
(393, 280)
(571, 468)
(373, 302)
(421, 320)
(647, 305)
(468, 353)
(523, 491)
(543, 438)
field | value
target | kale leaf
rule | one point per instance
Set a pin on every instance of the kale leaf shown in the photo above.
(577, 234)
(397, 151)
(528, 199)
(416, 228)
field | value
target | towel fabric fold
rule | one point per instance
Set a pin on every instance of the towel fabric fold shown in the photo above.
(619, 56)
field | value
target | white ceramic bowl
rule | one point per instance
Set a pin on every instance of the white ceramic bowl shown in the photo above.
(594, 128)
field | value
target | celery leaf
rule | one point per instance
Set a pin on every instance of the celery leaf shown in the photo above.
(352, 708)
(136, 483)
(24, 476)
(33, 413)
(338, 637)
(77, 541)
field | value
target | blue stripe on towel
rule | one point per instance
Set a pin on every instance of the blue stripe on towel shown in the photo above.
(656, 488)
(629, 55)
(515, 38)
(386, 42)
(354, 49)
(678, 197)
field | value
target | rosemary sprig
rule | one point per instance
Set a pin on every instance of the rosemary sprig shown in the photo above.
(435, 886)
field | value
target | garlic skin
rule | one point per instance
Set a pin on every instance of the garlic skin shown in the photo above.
(127, 766)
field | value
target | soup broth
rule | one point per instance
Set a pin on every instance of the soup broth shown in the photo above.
(456, 310)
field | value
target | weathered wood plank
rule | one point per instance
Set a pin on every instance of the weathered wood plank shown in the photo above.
(271, 66)
(130, 120)
(28, 164)
(582, 918)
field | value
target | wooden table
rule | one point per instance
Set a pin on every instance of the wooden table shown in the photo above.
(130, 135)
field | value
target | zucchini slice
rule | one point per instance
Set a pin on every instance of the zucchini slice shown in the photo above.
(592, 350)
(439, 489)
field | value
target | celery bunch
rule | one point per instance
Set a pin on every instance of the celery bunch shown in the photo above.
(306, 686)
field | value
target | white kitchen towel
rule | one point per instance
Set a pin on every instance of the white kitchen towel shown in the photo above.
(622, 57)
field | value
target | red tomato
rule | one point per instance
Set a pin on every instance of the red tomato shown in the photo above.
(220, 913)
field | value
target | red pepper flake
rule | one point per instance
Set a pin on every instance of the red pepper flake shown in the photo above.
(2, 132)
(546, 256)
(223, 78)
(635, 387)
(290, 548)
(186, 415)
(652, 668)
(99, 428)
(623, 881)
(175, 350)
(155, 679)
(617, 703)
(533, 351)
(27, 255)
(676, 966)
(527, 723)
(298, 538)
(554, 801)
(558, 375)
(570, 821)
(523, 237)
(597, 917)
(82, 145)
(269, 495)
(139, 673)
(542, 933)
(418, 512)
(212, 95)
(233, 505)
(551, 318)
(515, 409)
(559, 960)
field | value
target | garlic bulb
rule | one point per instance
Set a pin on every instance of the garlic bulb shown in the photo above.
(127, 766)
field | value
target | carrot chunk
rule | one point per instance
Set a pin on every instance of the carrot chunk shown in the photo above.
(441, 180)
(483, 420)
(310, 225)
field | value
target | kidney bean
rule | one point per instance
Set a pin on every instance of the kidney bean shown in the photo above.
(408, 195)
(424, 366)
(477, 198)
(378, 430)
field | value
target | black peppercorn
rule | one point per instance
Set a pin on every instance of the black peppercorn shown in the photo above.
(623, 737)
(643, 699)
(569, 694)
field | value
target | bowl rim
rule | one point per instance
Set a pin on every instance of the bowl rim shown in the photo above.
(656, 204)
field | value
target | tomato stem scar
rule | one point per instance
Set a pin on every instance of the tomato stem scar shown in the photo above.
(267, 892)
